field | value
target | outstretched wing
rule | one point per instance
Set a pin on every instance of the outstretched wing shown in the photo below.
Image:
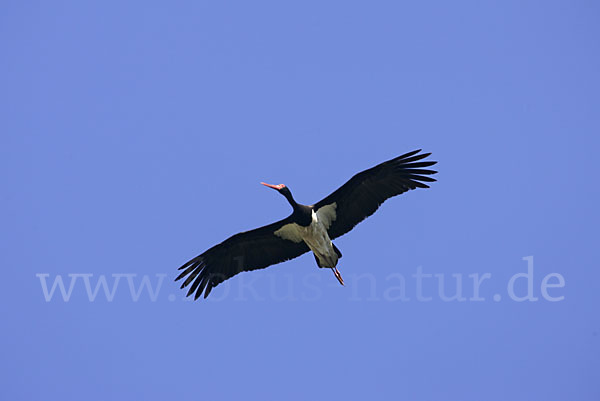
(360, 197)
(249, 250)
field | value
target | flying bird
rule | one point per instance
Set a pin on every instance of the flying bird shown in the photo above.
(309, 227)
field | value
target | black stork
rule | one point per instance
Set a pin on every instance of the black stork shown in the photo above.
(309, 227)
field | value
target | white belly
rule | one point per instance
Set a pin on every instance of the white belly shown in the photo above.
(318, 241)
(315, 236)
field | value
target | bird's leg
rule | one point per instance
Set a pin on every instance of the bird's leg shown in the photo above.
(338, 275)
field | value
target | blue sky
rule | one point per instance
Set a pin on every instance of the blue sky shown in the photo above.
(134, 136)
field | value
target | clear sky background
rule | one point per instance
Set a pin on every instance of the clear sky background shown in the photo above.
(134, 136)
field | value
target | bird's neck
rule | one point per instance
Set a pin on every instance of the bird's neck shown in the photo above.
(291, 200)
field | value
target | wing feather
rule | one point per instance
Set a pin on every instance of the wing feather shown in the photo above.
(362, 195)
(249, 250)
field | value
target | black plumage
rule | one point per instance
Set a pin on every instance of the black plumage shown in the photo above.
(362, 195)
(259, 248)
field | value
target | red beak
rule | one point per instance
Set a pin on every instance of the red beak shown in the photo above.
(277, 187)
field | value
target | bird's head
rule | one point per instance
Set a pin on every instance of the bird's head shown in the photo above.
(285, 191)
(277, 187)
(281, 187)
